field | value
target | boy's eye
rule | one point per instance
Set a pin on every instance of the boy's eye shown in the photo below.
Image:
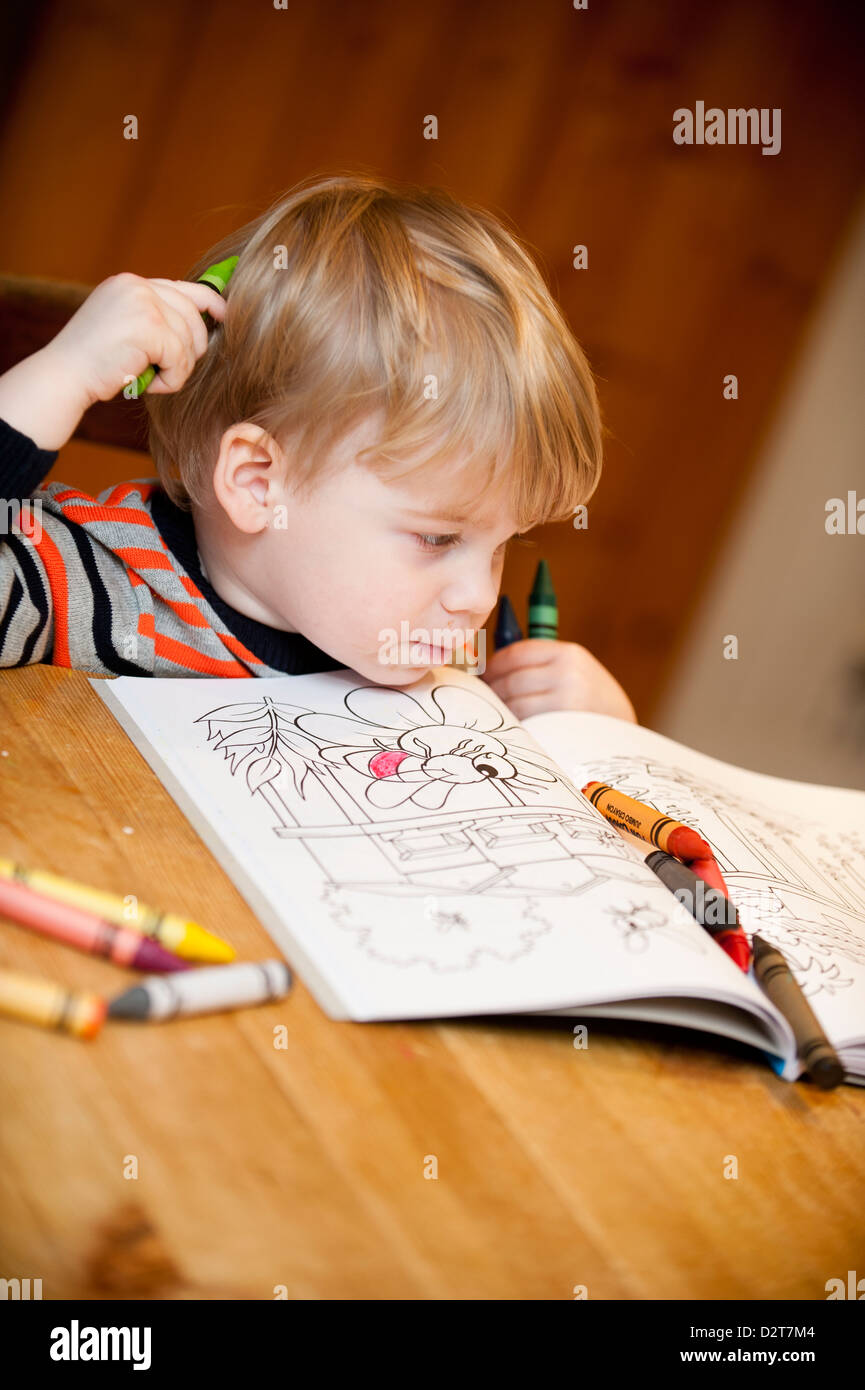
(437, 542)
(446, 542)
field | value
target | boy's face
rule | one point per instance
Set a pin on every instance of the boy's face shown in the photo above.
(359, 565)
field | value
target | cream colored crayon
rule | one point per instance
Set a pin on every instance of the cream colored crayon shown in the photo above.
(36, 1000)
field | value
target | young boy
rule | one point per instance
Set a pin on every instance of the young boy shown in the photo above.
(388, 393)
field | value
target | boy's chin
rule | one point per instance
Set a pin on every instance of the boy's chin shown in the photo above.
(401, 675)
(404, 673)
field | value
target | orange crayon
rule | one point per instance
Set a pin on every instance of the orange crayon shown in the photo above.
(647, 822)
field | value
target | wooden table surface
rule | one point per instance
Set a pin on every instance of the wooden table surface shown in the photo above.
(197, 1160)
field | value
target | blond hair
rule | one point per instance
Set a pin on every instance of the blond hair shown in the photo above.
(352, 294)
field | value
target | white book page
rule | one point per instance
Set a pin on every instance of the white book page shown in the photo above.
(791, 853)
(413, 852)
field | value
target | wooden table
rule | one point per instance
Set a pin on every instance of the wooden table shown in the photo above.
(197, 1160)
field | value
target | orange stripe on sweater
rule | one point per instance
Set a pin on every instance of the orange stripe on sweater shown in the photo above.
(58, 582)
(187, 612)
(116, 495)
(143, 559)
(192, 660)
(133, 515)
(122, 490)
(73, 492)
(240, 650)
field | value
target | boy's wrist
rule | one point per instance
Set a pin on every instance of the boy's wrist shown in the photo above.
(42, 398)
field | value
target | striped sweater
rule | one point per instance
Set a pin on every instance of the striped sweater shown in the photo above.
(113, 584)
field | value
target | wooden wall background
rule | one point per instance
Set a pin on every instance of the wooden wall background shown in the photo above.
(702, 260)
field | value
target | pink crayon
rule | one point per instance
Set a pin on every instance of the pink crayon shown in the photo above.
(66, 923)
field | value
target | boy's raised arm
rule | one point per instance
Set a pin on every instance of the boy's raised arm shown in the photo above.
(123, 326)
(42, 400)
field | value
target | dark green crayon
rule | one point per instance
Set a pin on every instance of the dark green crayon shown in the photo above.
(813, 1048)
(543, 609)
(217, 277)
(507, 628)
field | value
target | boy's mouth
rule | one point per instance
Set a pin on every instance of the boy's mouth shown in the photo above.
(411, 652)
(433, 656)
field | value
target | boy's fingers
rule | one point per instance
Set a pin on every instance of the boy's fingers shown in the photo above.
(529, 651)
(177, 355)
(202, 296)
(524, 706)
(184, 318)
(526, 682)
(170, 292)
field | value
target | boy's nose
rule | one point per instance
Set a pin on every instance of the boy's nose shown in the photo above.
(465, 603)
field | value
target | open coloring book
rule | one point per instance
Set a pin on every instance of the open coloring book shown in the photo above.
(419, 853)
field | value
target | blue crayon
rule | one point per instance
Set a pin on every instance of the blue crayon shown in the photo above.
(507, 628)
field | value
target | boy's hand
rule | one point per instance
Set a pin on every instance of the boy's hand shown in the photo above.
(123, 326)
(127, 323)
(535, 676)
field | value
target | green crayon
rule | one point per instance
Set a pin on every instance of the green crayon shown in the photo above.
(543, 609)
(217, 276)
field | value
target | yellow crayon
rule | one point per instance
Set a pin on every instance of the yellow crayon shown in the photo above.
(35, 1000)
(179, 934)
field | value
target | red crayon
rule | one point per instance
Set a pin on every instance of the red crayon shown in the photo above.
(734, 942)
(737, 946)
(708, 871)
(712, 909)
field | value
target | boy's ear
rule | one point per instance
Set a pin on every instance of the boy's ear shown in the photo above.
(248, 469)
